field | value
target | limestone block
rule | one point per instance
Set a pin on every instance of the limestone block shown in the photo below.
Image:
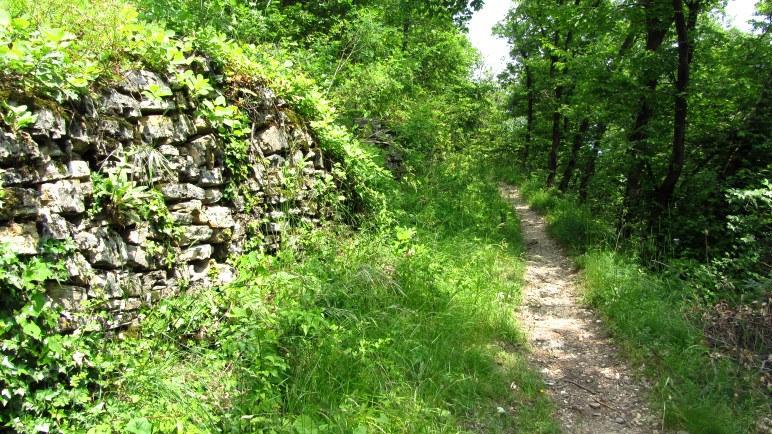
(138, 81)
(19, 203)
(50, 150)
(202, 125)
(15, 149)
(82, 133)
(118, 129)
(178, 192)
(124, 305)
(217, 217)
(64, 197)
(137, 258)
(79, 170)
(212, 178)
(103, 247)
(272, 140)
(168, 151)
(17, 176)
(78, 269)
(182, 218)
(53, 225)
(153, 280)
(152, 105)
(212, 195)
(49, 125)
(139, 235)
(224, 274)
(114, 103)
(221, 236)
(189, 206)
(115, 285)
(70, 298)
(52, 171)
(22, 238)
(202, 150)
(195, 234)
(196, 253)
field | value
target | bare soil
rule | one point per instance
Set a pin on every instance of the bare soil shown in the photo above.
(594, 390)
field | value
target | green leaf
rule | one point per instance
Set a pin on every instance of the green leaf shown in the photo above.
(139, 425)
(5, 19)
(29, 328)
(35, 306)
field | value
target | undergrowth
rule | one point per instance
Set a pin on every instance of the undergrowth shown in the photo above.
(402, 327)
(657, 320)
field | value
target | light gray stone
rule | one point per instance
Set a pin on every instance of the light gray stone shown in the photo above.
(53, 225)
(118, 104)
(17, 176)
(138, 81)
(70, 298)
(189, 206)
(195, 234)
(202, 150)
(79, 170)
(64, 197)
(136, 257)
(117, 129)
(153, 280)
(52, 171)
(221, 236)
(224, 274)
(169, 151)
(178, 192)
(202, 125)
(22, 238)
(211, 178)
(217, 217)
(19, 203)
(212, 195)
(82, 133)
(182, 218)
(196, 253)
(16, 149)
(272, 140)
(103, 247)
(49, 124)
(78, 269)
(139, 235)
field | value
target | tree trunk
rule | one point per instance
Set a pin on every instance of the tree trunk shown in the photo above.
(528, 113)
(589, 170)
(657, 25)
(575, 147)
(552, 164)
(405, 34)
(683, 26)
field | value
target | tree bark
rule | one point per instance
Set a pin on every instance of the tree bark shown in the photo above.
(529, 111)
(575, 147)
(657, 25)
(684, 25)
(589, 170)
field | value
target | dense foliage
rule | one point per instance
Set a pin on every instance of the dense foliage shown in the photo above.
(656, 116)
(644, 130)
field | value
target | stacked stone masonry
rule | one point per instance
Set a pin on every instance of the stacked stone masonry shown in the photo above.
(46, 173)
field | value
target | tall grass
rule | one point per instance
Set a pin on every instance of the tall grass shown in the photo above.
(406, 327)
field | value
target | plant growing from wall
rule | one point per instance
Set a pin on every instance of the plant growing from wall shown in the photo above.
(17, 117)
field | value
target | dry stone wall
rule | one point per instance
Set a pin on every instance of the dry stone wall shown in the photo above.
(121, 264)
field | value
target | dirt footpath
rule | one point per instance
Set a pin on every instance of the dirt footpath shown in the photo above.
(594, 390)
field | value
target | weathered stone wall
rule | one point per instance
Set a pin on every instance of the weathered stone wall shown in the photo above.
(48, 191)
